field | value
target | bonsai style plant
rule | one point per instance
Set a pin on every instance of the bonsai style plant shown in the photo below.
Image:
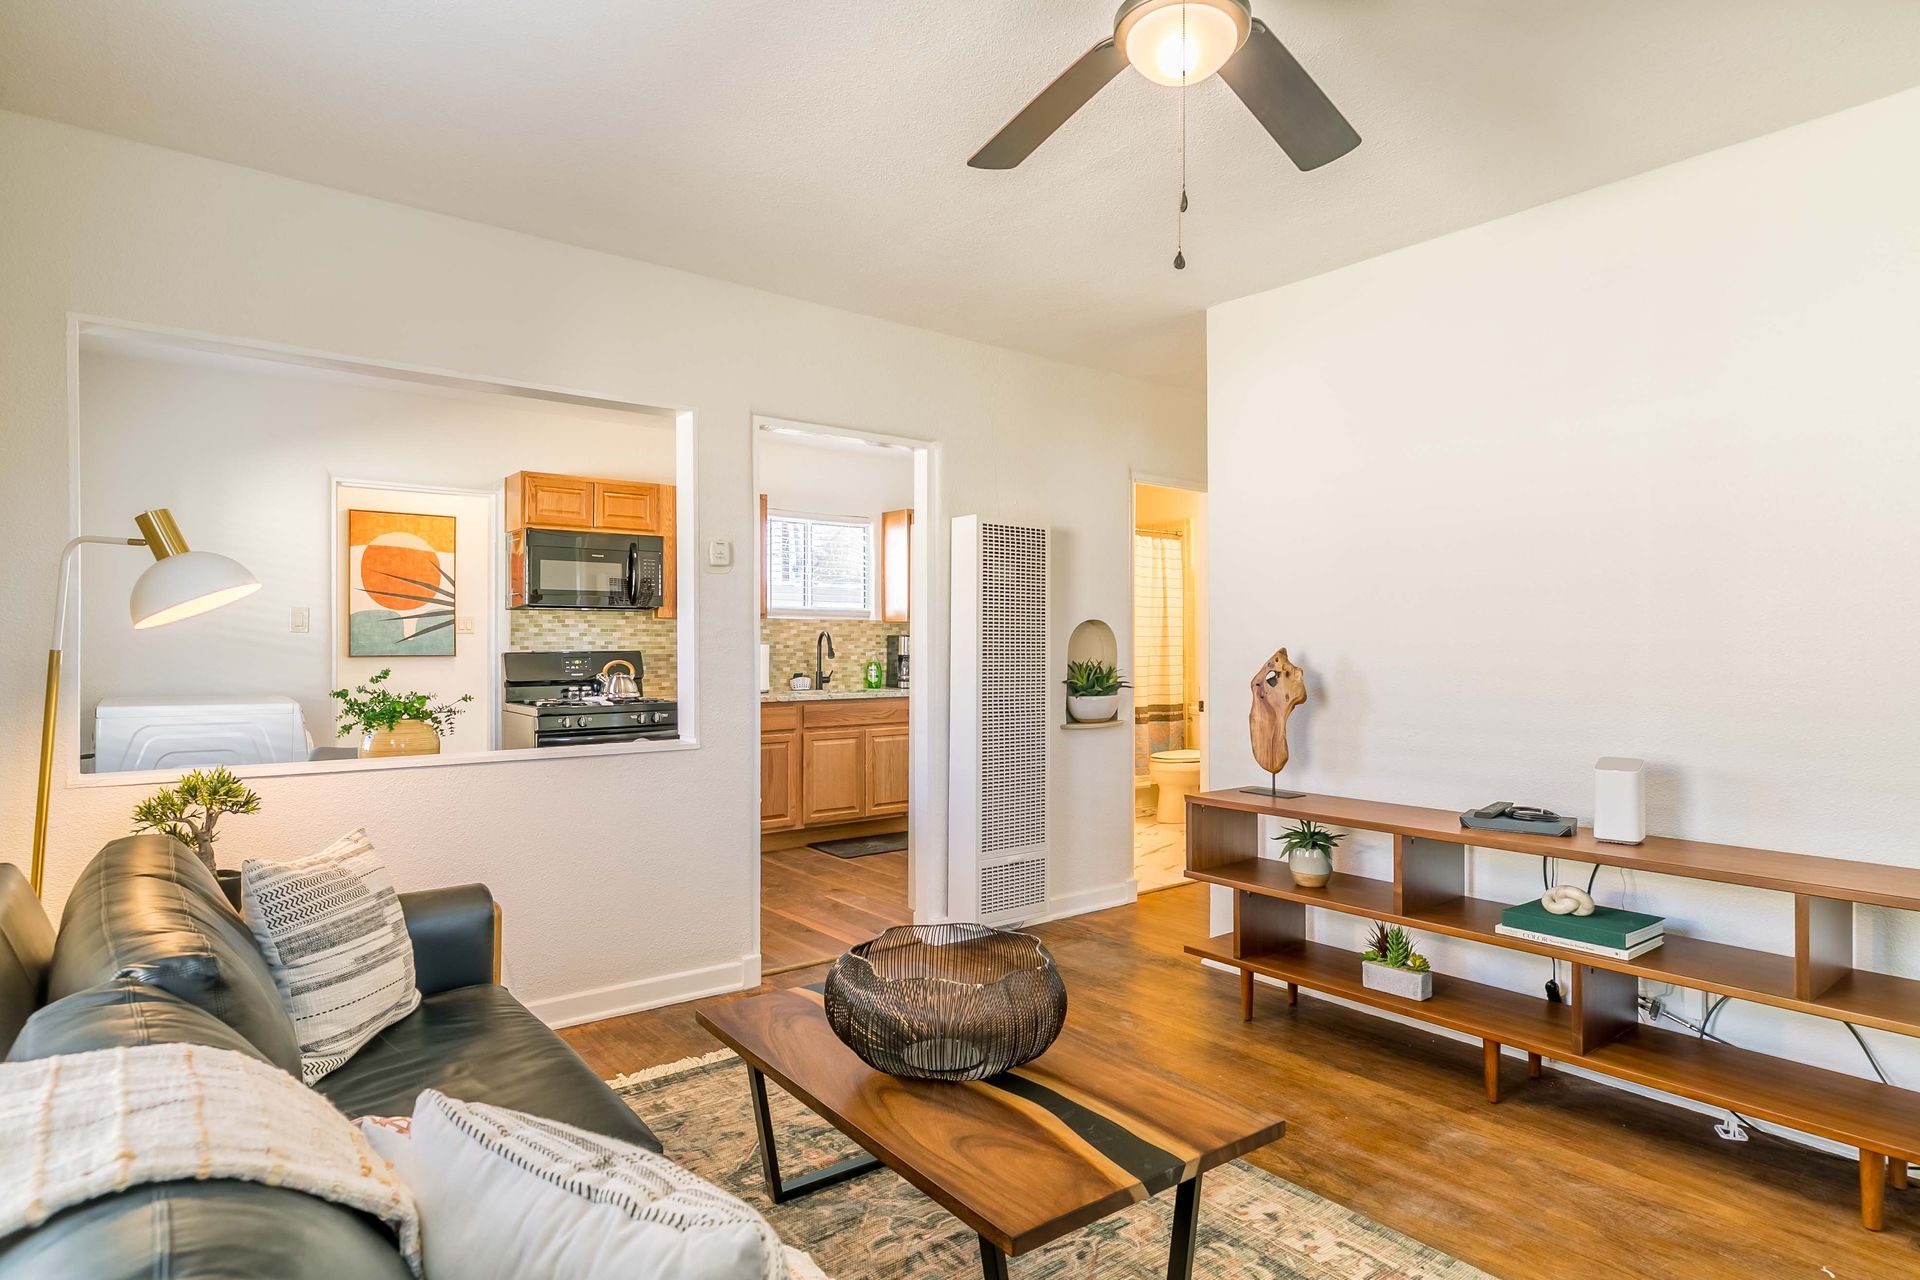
(395, 724)
(1392, 965)
(189, 809)
(1093, 691)
(1308, 853)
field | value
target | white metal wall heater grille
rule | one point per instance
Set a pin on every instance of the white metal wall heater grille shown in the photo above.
(1013, 718)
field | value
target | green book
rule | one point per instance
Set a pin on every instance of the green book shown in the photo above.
(1606, 927)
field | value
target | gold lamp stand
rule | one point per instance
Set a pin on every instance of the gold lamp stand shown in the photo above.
(197, 581)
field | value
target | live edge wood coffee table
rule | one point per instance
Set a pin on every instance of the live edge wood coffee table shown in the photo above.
(1022, 1158)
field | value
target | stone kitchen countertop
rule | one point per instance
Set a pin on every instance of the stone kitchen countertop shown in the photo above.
(829, 695)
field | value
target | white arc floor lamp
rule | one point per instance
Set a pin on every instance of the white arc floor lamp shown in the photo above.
(178, 584)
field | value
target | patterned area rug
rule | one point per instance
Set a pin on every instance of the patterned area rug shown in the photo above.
(1253, 1226)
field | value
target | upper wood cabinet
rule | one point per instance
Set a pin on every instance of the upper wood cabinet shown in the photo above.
(896, 576)
(541, 500)
(538, 500)
(629, 508)
(550, 502)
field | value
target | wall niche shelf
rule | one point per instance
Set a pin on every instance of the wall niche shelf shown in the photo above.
(1096, 724)
(1599, 1028)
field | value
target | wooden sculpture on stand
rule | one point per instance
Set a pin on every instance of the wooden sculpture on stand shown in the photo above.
(1278, 688)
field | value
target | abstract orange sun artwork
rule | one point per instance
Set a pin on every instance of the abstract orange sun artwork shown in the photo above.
(400, 593)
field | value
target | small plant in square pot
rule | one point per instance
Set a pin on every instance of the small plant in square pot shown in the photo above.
(1093, 691)
(1390, 964)
(1308, 853)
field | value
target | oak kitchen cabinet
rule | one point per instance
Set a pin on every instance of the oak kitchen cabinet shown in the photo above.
(896, 576)
(830, 762)
(541, 500)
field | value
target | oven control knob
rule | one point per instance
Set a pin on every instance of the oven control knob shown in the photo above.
(566, 722)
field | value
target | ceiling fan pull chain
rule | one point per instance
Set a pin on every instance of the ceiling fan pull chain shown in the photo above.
(1180, 223)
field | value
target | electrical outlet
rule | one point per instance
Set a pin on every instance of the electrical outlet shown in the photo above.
(302, 622)
(463, 626)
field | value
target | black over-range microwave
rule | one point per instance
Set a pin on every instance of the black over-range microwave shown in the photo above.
(555, 569)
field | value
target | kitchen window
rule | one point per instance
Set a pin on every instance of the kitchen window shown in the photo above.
(819, 566)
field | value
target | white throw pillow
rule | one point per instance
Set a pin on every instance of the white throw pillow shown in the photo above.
(508, 1196)
(333, 934)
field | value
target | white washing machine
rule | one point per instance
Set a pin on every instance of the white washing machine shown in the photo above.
(179, 733)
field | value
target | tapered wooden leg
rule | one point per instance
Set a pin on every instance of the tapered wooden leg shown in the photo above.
(1897, 1174)
(1873, 1190)
(1246, 995)
(1533, 1066)
(1293, 993)
(1491, 1063)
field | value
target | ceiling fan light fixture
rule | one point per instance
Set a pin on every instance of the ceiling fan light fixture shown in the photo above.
(1176, 42)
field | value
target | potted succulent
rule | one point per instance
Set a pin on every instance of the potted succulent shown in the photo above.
(1390, 964)
(1308, 852)
(395, 724)
(189, 810)
(1093, 691)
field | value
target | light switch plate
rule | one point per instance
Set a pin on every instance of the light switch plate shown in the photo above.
(719, 554)
(302, 622)
(463, 626)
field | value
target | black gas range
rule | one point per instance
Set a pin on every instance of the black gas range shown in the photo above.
(556, 700)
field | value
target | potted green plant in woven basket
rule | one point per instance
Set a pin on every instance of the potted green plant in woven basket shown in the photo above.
(1093, 691)
(395, 724)
(1390, 964)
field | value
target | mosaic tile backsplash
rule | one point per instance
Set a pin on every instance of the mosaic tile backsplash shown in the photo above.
(855, 640)
(557, 630)
(552, 630)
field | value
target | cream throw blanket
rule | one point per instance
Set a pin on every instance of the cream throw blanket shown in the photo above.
(86, 1125)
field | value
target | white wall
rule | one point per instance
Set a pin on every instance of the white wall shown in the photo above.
(602, 912)
(836, 480)
(1635, 473)
(247, 452)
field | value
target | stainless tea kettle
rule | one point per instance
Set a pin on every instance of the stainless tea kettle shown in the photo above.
(619, 684)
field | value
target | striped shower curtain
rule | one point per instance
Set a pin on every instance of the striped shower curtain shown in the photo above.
(1159, 645)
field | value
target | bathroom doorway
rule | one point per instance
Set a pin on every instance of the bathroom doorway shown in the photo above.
(1169, 710)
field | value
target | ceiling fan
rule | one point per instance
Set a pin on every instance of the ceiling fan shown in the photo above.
(1182, 42)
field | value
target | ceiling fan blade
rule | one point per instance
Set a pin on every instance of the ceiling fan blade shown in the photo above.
(1284, 98)
(1053, 108)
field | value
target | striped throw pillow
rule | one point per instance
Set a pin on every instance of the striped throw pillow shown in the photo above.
(332, 932)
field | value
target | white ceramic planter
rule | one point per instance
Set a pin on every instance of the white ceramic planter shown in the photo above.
(1310, 870)
(1092, 710)
(1409, 984)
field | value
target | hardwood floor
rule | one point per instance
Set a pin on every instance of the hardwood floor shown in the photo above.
(1565, 1178)
(813, 905)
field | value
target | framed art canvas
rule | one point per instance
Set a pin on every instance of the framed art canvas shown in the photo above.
(400, 585)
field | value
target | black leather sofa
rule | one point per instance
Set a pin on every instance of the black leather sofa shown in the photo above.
(149, 952)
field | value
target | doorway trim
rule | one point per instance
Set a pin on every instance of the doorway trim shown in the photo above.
(926, 793)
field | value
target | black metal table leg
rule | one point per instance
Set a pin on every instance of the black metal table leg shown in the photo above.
(1186, 1227)
(993, 1260)
(780, 1191)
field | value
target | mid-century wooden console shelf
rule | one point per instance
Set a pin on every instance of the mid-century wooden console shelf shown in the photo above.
(1599, 1028)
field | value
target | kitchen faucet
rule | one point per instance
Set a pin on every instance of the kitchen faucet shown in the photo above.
(820, 674)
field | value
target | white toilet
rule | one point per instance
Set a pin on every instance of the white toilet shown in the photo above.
(1177, 774)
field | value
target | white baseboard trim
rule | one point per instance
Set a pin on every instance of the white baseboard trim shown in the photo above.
(1120, 893)
(648, 993)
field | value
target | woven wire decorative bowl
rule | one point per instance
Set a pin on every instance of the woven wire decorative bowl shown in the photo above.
(946, 1001)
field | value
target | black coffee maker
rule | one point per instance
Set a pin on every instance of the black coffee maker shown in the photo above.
(897, 662)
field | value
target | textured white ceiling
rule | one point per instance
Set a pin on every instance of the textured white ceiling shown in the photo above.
(818, 147)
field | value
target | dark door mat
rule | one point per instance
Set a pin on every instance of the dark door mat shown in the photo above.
(863, 846)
